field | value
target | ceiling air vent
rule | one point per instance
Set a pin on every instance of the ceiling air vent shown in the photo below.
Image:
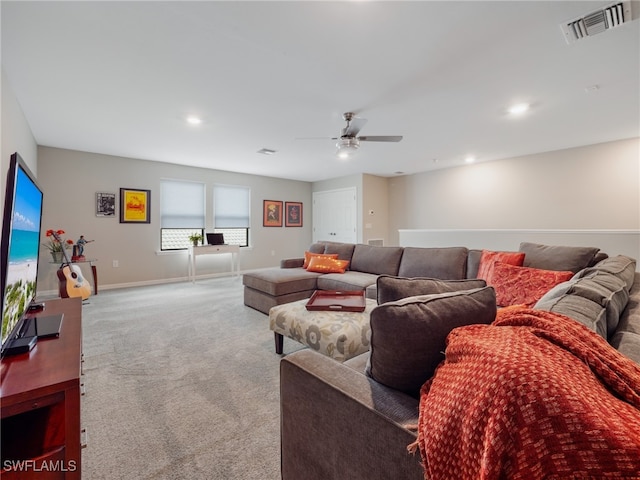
(597, 22)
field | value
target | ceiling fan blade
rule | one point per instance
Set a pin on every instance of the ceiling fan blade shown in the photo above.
(381, 138)
(355, 125)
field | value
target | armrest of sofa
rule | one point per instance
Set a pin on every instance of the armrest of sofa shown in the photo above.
(339, 423)
(291, 263)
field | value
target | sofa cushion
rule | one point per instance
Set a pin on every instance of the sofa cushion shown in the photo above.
(327, 264)
(523, 285)
(281, 281)
(596, 301)
(317, 247)
(344, 250)
(626, 338)
(557, 257)
(489, 258)
(391, 289)
(309, 255)
(621, 266)
(606, 290)
(473, 262)
(349, 280)
(408, 337)
(445, 263)
(379, 260)
(589, 313)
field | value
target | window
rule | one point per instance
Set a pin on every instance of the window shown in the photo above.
(231, 213)
(182, 210)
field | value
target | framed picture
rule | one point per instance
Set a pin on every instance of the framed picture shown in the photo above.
(271, 213)
(105, 204)
(293, 214)
(135, 205)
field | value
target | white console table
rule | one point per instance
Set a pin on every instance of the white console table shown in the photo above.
(234, 250)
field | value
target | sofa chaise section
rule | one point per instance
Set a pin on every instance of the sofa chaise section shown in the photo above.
(267, 288)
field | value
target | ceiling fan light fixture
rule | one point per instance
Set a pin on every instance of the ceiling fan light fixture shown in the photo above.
(347, 148)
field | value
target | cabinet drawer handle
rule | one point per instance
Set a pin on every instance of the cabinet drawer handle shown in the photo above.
(84, 438)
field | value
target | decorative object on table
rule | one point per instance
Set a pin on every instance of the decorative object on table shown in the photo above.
(272, 213)
(78, 249)
(56, 244)
(196, 238)
(337, 301)
(105, 204)
(72, 283)
(293, 214)
(135, 205)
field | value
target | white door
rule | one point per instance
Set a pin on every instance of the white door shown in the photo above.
(335, 215)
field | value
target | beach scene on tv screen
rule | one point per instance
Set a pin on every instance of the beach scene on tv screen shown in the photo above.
(22, 265)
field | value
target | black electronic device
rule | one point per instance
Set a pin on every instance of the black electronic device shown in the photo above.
(20, 345)
(42, 326)
(19, 250)
(215, 238)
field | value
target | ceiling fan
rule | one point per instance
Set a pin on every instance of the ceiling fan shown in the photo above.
(348, 142)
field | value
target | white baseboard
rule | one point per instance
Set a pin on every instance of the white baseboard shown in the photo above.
(144, 283)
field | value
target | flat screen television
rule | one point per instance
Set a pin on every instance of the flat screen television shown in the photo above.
(20, 247)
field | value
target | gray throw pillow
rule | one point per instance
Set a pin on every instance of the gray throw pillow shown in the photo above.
(392, 288)
(408, 337)
(557, 257)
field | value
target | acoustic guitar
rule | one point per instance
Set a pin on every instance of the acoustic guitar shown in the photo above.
(72, 283)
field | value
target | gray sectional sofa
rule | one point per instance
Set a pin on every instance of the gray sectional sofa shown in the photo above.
(349, 420)
(267, 288)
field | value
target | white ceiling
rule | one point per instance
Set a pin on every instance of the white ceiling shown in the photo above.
(120, 78)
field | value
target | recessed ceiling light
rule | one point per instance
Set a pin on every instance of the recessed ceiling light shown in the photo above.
(193, 120)
(470, 159)
(519, 108)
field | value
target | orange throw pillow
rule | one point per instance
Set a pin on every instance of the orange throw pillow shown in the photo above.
(524, 285)
(327, 265)
(308, 256)
(489, 258)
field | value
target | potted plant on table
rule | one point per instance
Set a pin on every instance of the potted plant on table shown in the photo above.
(195, 238)
(56, 245)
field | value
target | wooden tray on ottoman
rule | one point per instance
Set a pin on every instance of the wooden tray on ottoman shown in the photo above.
(337, 301)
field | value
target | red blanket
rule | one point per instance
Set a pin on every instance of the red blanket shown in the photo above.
(534, 395)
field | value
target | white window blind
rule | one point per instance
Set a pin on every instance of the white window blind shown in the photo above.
(182, 204)
(231, 206)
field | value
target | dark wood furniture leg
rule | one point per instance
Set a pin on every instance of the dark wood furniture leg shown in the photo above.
(279, 341)
(94, 270)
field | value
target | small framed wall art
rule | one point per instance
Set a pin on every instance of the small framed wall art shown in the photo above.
(272, 213)
(293, 214)
(105, 204)
(135, 205)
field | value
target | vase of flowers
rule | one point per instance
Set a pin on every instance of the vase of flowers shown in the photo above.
(56, 244)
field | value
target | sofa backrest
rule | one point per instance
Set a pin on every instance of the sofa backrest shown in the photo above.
(443, 263)
(378, 260)
(344, 250)
(473, 262)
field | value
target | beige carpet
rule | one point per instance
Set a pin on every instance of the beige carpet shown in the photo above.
(182, 382)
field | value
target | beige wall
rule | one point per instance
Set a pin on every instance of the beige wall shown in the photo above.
(70, 180)
(375, 208)
(592, 187)
(16, 136)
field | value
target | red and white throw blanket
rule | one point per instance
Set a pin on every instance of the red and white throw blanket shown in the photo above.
(534, 395)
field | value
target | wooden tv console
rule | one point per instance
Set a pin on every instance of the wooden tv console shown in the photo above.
(40, 402)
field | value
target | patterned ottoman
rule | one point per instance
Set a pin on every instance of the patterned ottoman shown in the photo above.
(339, 335)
